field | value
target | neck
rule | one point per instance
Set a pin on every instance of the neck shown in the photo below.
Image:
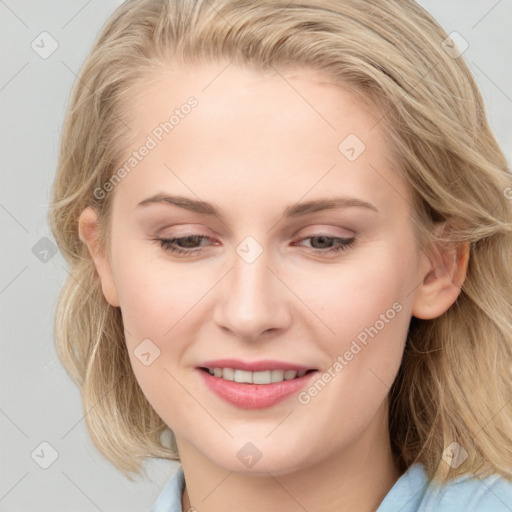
(354, 478)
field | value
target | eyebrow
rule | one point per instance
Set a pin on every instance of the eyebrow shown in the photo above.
(292, 211)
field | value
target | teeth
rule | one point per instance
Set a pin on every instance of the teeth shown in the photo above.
(243, 376)
(264, 377)
(228, 373)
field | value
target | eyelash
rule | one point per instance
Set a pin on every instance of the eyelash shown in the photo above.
(167, 244)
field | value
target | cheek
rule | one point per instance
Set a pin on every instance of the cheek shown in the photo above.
(355, 295)
(161, 301)
(156, 310)
(366, 306)
(154, 294)
(369, 315)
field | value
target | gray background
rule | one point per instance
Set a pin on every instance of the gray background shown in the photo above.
(38, 402)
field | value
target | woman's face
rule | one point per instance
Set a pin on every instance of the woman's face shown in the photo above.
(262, 282)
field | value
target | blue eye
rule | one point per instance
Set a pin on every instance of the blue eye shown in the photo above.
(172, 245)
(343, 243)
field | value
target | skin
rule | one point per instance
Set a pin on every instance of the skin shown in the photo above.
(255, 144)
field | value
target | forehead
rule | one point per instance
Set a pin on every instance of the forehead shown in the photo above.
(272, 135)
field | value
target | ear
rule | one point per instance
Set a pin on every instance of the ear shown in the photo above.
(89, 233)
(442, 281)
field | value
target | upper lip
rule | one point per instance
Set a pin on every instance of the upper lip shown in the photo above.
(253, 366)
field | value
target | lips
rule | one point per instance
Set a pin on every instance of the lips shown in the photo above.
(254, 395)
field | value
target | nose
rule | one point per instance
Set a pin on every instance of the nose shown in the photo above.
(253, 300)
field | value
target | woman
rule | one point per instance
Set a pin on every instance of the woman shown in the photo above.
(210, 150)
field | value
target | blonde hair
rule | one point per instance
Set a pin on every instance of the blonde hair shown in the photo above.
(455, 382)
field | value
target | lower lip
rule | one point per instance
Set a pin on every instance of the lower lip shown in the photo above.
(254, 396)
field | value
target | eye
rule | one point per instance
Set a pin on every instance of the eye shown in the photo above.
(188, 245)
(329, 244)
(169, 244)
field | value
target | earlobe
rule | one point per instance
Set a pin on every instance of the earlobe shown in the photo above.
(442, 283)
(89, 233)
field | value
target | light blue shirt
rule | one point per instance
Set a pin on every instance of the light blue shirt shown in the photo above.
(411, 493)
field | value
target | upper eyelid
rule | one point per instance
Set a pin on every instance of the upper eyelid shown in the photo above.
(178, 236)
(317, 231)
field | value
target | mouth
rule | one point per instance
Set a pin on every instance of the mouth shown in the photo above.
(270, 376)
(262, 388)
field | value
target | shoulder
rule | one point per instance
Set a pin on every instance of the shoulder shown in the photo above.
(413, 492)
(471, 494)
(169, 499)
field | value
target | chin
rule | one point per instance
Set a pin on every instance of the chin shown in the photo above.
(249, 459)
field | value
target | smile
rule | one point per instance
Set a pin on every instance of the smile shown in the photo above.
(254, 390)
